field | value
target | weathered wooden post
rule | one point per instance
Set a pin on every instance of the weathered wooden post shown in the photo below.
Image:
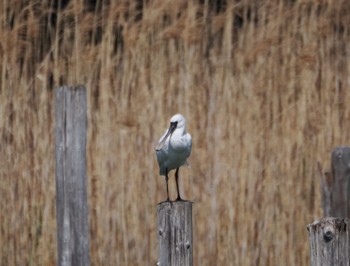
(71, 194)
(336, 185)
(329, 238)
(329, 242)
(175, 233)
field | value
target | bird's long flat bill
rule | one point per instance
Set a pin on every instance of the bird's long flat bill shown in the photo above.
(171, 129)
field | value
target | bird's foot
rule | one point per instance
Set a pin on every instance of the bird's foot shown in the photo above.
(179, 199)
(167, 200)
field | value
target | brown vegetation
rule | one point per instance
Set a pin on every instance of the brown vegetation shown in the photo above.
(263, 85)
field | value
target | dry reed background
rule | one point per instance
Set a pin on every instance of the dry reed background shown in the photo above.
(263, 84)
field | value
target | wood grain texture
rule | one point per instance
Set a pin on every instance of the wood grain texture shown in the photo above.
(175, 233)
(71, 192)
(329, 242)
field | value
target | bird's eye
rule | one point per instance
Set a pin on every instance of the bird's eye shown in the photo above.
(173, 124)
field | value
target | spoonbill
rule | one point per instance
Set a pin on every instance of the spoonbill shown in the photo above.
(173, 149)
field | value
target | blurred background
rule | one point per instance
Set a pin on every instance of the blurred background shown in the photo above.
(264, 86)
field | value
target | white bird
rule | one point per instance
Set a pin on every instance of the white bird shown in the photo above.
(173, 149)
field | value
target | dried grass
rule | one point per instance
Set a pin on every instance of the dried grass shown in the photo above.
(263, 84)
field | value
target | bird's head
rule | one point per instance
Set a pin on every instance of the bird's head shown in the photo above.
(177, 121)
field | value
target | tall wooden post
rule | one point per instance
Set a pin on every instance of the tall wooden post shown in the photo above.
(329, 242)
(71, 194)
(175, 233)
(329, 238)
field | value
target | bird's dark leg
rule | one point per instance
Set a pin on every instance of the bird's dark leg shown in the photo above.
(177, 185)
(166, 181)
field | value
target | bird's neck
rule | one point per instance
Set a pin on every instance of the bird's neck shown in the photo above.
(180, 132)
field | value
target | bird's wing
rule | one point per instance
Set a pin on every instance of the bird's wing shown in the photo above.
(182, 145)
(189, 139)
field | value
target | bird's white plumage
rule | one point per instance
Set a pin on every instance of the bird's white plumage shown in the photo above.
(174, 147)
